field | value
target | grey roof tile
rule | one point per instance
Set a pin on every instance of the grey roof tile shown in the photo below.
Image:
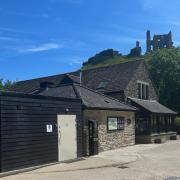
(153, 106)
(90, 98)
(66, 91)
(30, 86)
(117, 76)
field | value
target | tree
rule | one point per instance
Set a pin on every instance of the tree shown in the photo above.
(5, 85)
(135, 52)
(164, 66)
(102, 57)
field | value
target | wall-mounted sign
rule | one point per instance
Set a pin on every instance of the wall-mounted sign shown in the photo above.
(49, 128)
(128, 121)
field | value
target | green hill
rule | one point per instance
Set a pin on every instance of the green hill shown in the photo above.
(106, 58)
(109, 61)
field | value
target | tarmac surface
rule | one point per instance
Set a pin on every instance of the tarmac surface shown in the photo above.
(138, 162)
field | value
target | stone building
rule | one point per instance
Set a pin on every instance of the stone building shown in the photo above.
(108, 123)
(131, 83)
(122, 84)
(158, 41)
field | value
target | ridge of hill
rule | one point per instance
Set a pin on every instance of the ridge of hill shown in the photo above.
(110, 57)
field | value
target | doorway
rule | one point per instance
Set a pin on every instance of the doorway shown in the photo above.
(67, 137)
(93, 137)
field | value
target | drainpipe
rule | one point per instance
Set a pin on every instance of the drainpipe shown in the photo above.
(80, 77)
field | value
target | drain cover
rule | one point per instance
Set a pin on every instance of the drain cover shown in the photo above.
(122, 167)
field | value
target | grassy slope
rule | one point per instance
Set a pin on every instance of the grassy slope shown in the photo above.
(111, 61)
(121, 59)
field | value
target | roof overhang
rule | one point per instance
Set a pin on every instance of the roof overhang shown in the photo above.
(152, 106)
(110, 109)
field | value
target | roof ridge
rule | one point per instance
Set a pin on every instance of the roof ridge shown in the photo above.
(143, 99)
(48, 76)
(71, 75)
(105, 95)
(76, 91)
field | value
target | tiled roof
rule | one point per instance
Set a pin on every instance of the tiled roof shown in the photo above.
(70, 78)
(152, 106)
(66, 91)
(117, 76)
(90, 98)
(31, 86)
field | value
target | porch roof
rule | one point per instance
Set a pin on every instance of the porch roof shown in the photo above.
(152, 106)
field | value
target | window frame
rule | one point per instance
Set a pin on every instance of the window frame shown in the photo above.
(143, 90)
(147, 91)
(139, 90)
(120, 119)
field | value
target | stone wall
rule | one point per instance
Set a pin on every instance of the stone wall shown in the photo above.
(112, 140)
(141, 75)
(145, 139)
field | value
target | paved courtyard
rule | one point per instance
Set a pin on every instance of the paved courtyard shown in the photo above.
(151, 162)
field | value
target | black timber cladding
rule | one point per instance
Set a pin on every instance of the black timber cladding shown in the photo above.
(24, 140)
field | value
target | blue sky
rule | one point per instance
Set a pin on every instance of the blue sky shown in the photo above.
(47, 37)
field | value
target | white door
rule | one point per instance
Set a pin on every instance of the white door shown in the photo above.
(67, 140)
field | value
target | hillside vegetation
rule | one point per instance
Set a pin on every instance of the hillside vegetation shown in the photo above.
(164, 67)
(106, 58)
(5, 85)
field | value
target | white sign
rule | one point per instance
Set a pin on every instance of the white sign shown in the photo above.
(49, 128)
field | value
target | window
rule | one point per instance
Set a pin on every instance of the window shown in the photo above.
(139, 90)
(143, 90)
(147, 91)
(142, 125)
(153, 124)
(115, 123)
(102, 85)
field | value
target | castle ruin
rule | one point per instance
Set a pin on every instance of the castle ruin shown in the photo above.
(158, 41)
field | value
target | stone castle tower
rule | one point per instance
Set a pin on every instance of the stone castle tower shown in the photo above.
(158, 41)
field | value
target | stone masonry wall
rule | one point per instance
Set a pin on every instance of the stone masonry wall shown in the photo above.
(142, 75)
(112, 140)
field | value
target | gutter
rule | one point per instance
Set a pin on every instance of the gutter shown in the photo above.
(104, 108)
(15, 94)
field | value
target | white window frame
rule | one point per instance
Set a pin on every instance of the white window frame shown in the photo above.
(119, 126)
